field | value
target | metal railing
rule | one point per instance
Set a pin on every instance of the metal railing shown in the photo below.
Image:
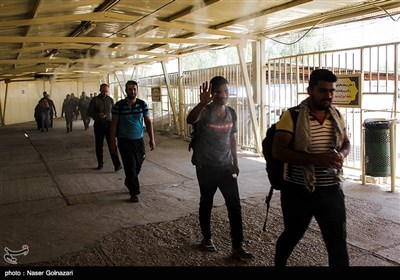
(287, 81)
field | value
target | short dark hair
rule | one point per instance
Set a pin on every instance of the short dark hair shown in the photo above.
(218, 81)
(104, 85)
(321, 75)
(130, 82)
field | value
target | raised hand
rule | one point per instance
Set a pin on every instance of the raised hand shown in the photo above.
(205, 93)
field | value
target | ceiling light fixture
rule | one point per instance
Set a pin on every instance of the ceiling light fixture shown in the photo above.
(53, 53)
(89, 28)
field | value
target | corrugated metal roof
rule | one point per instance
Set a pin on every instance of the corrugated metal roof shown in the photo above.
(39, 37)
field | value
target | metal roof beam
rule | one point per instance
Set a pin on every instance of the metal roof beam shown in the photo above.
(99, 40)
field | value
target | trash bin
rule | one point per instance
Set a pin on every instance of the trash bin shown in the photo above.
(377, 147)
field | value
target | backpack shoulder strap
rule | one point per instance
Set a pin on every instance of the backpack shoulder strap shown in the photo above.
(294, 113)
(233, 113)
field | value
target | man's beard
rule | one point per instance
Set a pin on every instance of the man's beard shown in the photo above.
(130, 97)
(319, 105)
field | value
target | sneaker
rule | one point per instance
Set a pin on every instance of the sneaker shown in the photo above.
(240, 253)
(134, 198)
(208, 245)
(99, 167)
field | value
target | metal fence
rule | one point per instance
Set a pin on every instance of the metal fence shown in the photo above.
(287, 81)
(191, 81)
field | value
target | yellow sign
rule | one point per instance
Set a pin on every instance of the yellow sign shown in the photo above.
(348, 91)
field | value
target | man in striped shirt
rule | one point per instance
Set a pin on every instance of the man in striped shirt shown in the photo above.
(313, 150)
(127, 125)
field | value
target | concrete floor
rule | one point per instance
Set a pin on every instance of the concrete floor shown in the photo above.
(53, 200)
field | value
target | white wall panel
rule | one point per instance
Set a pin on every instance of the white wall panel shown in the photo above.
(22, 97)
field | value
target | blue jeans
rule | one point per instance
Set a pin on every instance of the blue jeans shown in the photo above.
(327, 205)
(210, 178)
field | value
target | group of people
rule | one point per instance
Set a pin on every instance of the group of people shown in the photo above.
(309, 148)
(72, 107)
(45, 111)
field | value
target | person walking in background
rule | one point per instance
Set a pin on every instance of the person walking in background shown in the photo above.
(76, 103)
(100, 110)
(52, 111)
(38, 116)
(127, 125)
(68, 109)
(44, 112)
(216, 161)
(313, 150)
(83, 106)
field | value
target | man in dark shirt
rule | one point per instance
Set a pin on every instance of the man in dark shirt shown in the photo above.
(52, 110)
(216, 161)
(83, 106)
(44, 111)
(100, 110)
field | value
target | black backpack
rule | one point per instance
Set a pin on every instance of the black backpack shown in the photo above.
(274, 167)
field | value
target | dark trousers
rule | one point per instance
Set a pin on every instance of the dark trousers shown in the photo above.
(51, 120)
(327, 205)
(211, 178)
(132, 155)
(101, 130)
(69, 121)
(38, 118)
(85, 119)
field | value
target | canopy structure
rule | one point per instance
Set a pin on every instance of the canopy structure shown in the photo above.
(41, 38)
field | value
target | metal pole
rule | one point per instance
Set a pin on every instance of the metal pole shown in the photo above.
(5, 104)
(393, 155)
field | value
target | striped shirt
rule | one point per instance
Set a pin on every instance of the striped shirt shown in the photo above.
(321, 142)
(130, 118)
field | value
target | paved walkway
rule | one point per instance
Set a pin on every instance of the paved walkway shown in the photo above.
(53, 200)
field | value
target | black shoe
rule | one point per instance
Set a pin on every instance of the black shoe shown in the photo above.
(241, 254)
(208, 245)
(134, 198)
(99, 167)
(117, 168)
